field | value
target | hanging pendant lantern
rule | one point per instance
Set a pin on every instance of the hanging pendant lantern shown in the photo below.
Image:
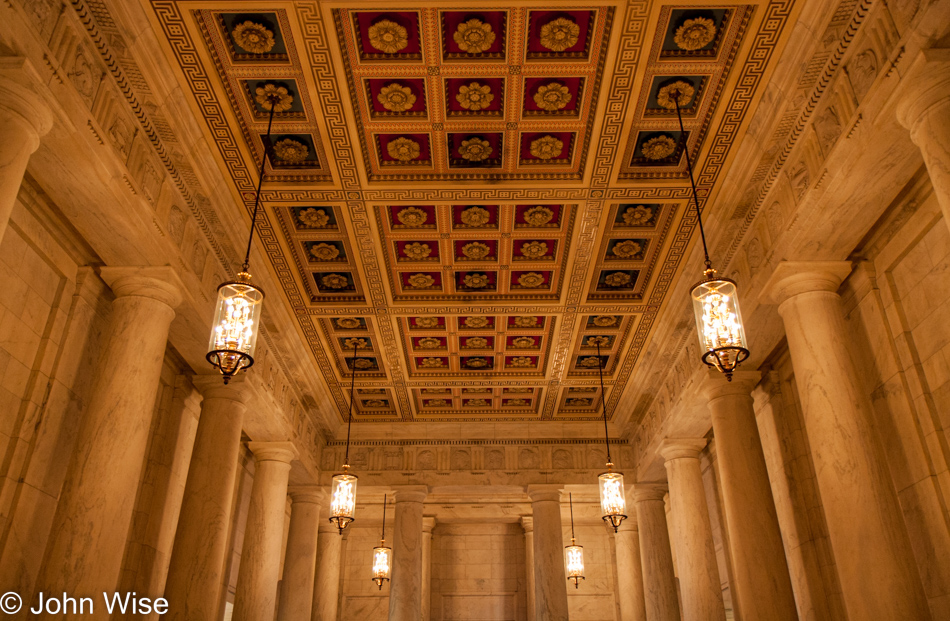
(382, 555)
(574, 554)
(237, 317)
(715, 300)
(613, 503)
(343, 486)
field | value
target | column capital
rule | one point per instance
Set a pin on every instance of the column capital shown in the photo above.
(715, 385)
(410, 493)
(545, 491)
(927, 88)
(645, 492)
(307, 494)
(792, 278)
(428, 523)
(18, 80)
(527, 523)
(284, 452)
(681, 448)
(211, 386)
(157, 283)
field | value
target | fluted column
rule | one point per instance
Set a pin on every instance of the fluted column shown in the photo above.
(761, 584)
(692, 533)
(405, 593)
(427, 525)
(527, 522)
(255, 597)
(84, 553)
(326, 589)
(630, 570)
(550, 581)
(24, 119)
(300, 559)
(196, 569)
(656, 554)
(925, 111)
(879, 578)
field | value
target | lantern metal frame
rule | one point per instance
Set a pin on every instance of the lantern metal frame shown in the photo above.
(728, 357)
(344, 519)
(612, 517)
(573, 553)
(382, 550)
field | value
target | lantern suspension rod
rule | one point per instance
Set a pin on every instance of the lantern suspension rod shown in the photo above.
(603, 401)
(382, 536)
(273, 100)
(689, 167)
(349, 420)
(570, 498)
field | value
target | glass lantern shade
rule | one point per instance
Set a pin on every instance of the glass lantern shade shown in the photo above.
(382, 564)
(719, 324)
(574, 557)
(343, 500)
(613, 503)
(236, 324)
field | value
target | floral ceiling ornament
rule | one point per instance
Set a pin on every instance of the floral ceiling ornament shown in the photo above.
(292, 151)
(403, 149)
(594, 341)
(420, 281)
(478, 403)
(475, 281)
(534, 249)
(658, 147)
(253, 38)
(531, 280)
(664, 96)
(552, 96)
(474, 36)
(524, 342)
(264, 95)
(538, 216)
(430, 363)
(617, 279)
(427, 322)
(436, 391)
(412, 216)
(695, 34)
(388, 37)
(437, 403)
(627, 249)
(526, 322)
(375, 403)
(324, 252)
(476, 250)
(521, 361)
(475, 216)
(474, 96)
(518, 402)
(476, 342)
(475, 322)
(476, 363)
(560, 34)
(429, 343)
(335, 281)
(348, 323)
(371, 391)
(590, 362)
(637, 215)
(396, 97)
(578, 403)
(604, 321)
(546, 147)
(314, 218)
(475, 150)
(364, 363)
(416, 250)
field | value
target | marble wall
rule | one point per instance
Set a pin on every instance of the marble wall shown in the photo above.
(361, 598)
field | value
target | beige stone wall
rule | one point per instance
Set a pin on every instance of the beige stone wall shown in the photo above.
(361, 598)
(594, 599)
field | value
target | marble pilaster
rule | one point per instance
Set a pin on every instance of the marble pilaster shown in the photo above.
(255, 597)
(527, 522)
(692, 533)
(405, 594)
(300, 559)
(761, 584)
(630, 569)
(428, 524)
(196, 569)
(879, 577)
(550, 581)
(656, 554)
(24, 119)
(326, 586)
(90, 527)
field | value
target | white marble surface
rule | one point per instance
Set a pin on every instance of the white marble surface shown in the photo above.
(630, 571)
(405, 595)
(428, 523)
(550, 581)
(300, 558)
(527, 522)
(326, 586)
(656, 554)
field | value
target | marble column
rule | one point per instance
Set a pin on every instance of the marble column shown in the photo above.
(24, 119)
(326, 585)
(405, 591)
(879, 577)
(550, 581)
(527, 522)
(630, 569)
(925, 111)
(255, 597)
(300, 559)
(91, 524)
(427, 525)
(761, 583)
(196, 569)
(656, 554)
(692, 533)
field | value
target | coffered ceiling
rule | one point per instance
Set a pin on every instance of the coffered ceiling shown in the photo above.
(475, 196)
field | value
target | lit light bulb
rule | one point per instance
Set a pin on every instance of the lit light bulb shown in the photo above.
(613, 504)
(575, 562)
(719, 324)
(343, 499)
